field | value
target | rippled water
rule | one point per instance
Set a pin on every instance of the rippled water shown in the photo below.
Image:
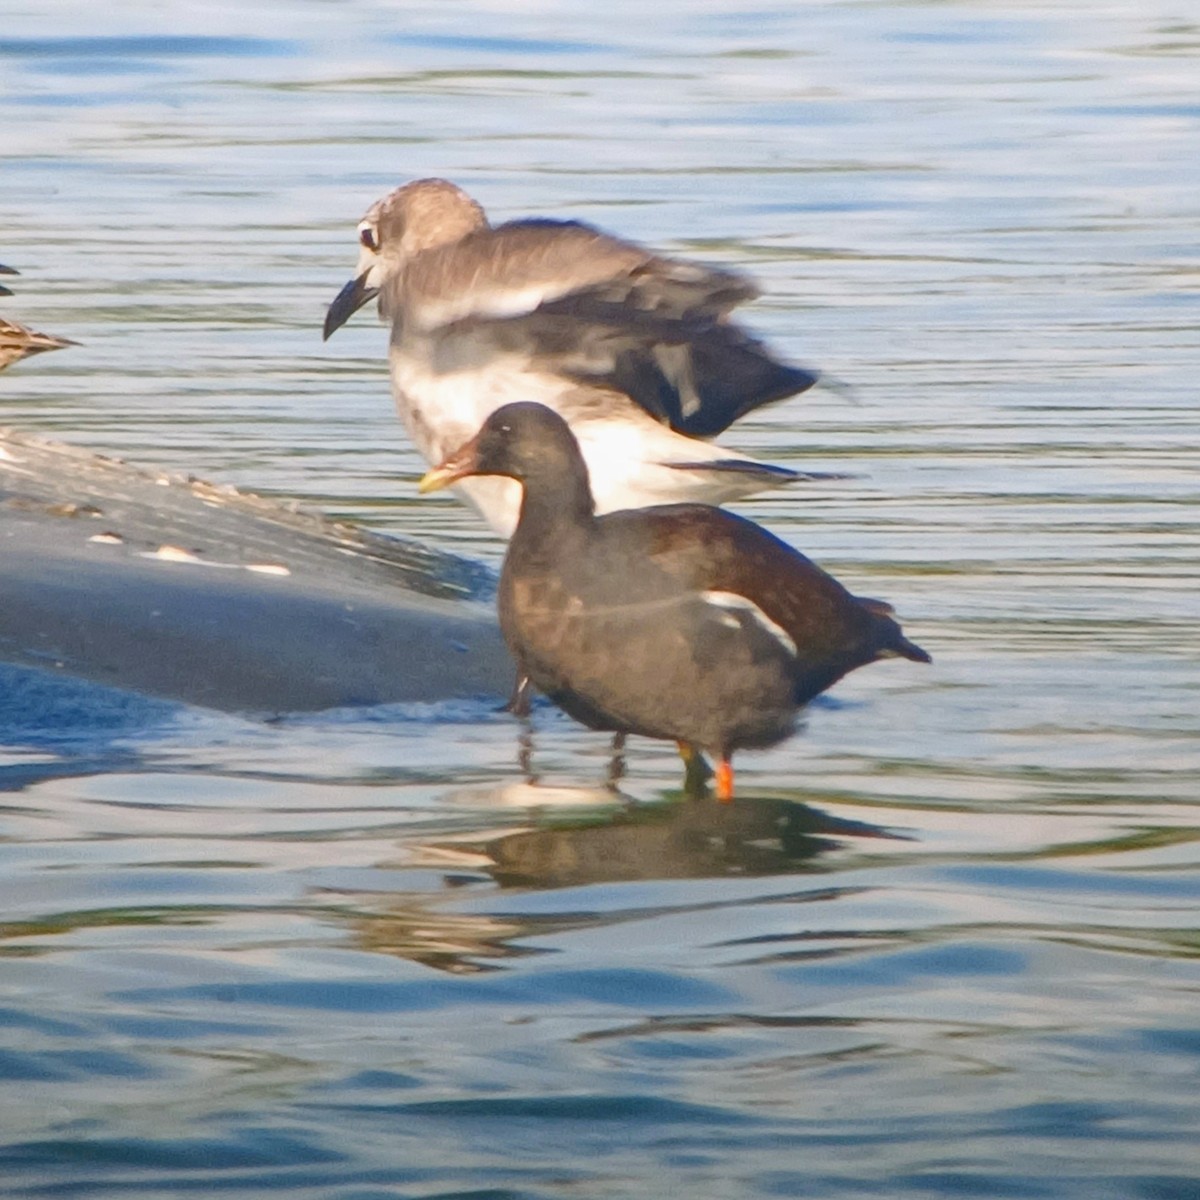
(946, 943)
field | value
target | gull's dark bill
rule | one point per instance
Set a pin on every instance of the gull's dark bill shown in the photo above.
(346, 303)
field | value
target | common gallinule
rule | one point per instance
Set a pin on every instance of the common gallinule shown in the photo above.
(681, 621)
(635, 350)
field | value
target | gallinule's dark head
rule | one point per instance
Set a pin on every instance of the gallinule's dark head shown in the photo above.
(681, 621)
(522, 441)
(533, 445)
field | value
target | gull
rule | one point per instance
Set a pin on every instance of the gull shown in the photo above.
(19, 341)
(636, 351)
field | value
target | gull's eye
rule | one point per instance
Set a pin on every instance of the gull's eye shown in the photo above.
(366, 235)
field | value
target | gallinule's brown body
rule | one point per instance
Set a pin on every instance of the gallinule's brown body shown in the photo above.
(681, 621)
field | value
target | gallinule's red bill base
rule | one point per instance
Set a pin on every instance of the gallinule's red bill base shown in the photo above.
(682, 621)
(635, 350)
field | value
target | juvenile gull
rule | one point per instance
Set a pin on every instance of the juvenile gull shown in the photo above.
(636, 351)
(679, 621)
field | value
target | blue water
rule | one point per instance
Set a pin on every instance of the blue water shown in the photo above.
(946, 942)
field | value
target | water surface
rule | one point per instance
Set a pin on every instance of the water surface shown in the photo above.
(946, 942)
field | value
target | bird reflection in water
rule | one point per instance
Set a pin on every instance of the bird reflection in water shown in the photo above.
(573, 837)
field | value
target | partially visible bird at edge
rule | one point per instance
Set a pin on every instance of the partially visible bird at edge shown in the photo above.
(19, 341)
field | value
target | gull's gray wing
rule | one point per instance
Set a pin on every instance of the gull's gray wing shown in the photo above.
(602, 311)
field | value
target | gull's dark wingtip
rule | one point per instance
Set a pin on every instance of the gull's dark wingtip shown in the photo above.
(913, 652)
(768, 471)
(841, 388)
